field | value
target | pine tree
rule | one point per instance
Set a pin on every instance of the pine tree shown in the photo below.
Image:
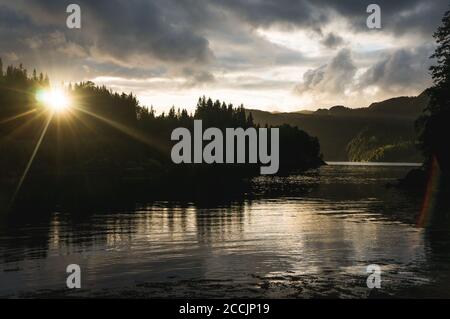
(435, 122)
(1, 68)
(441, 71)
(250, 120)
(46, 80)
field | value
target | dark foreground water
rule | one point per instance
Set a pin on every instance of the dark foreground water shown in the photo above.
(315, 241)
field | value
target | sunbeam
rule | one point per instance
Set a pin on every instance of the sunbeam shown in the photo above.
(15, 117)
(23, 126)
(129, 131)
(30, 161)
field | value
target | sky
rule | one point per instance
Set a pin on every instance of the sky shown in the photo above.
(274, 55)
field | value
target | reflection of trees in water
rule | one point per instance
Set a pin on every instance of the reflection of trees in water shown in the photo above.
(96, 221)
(31, 234)
(24, 238)
(215, 225)
(437, 232)
(212, 237)
(204, 223)
(437, 249)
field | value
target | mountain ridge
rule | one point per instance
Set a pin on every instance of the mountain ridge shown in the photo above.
(407, 104)
(386, 124)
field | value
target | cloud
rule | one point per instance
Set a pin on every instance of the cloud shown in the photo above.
(277, 12)
(332, 40)
(130, 32)
(406, 68)
(333, 78)
(241, 47)
(399, 17)
(56, 41)
(197, 77)
(345, 79)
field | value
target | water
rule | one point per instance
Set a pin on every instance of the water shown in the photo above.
(375, 164)
(299, 236)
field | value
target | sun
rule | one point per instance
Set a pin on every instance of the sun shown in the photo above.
(57, 100)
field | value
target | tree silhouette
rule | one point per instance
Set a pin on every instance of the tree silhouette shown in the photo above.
(434, 124)
(108, 138)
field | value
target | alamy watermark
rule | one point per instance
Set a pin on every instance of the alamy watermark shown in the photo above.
(374, 19)
(74, 279)
(73, 20)
(234, 150)
(374, 279)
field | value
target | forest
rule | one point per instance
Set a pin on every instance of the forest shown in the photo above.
(107, 142)
(382, 132)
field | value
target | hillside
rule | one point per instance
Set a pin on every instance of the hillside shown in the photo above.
(384, 131)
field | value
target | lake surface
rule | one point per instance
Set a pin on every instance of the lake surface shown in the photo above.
(316, 240)
(374, 164)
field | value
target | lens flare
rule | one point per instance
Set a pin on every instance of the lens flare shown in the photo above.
(55, 99)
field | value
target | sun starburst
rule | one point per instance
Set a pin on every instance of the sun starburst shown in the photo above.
(56, 100)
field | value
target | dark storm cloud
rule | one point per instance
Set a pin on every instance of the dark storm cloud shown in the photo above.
(12, 19)
(132, 37)
(129, 31)
(205, 41)
(283, 12)
(145, 27)
(400, 16)
(118, 29)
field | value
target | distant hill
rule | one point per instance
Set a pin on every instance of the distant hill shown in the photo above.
(384, 131)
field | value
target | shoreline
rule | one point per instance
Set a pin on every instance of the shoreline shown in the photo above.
(400, 164)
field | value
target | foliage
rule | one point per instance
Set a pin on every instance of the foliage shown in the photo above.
(371, 146)
(110, 133)
(434, 124)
